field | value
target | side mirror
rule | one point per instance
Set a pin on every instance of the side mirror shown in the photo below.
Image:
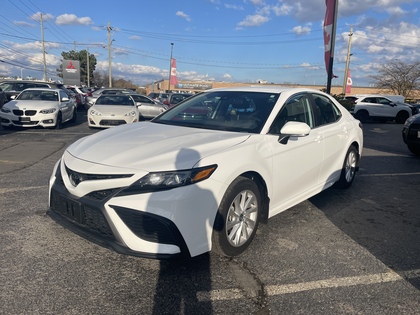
(138, 104)
(13, 97)
(65, 99)
(293, 129)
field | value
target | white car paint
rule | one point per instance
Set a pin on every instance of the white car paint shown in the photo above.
(37, 112)
(293, 168)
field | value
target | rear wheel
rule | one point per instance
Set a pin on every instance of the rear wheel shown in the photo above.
(362, 116)
(401, 117)
(349, 168)
(237, 218)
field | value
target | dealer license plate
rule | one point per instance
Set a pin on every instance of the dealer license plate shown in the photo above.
(25, 119)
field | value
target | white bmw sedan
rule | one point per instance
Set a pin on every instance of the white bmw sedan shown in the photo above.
(44, 107)
(203, 175)
(112, 110)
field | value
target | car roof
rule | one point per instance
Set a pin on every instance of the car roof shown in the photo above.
(265, 88)
(43, 89)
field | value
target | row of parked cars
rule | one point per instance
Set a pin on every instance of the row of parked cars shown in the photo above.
(33, 103)
(49, 105)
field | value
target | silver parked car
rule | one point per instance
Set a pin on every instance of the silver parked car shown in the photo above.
(148, 107)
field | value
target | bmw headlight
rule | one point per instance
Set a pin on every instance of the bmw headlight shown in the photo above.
(132, 113)
(158, 181)
(94, 113)
(5, 110)
(48, 111)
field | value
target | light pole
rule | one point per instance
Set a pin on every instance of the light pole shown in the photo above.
(170, 68)
(346, 70)
(21, 73)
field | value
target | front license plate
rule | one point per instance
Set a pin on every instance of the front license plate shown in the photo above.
(25, 119)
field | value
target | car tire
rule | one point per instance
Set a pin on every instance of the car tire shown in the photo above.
(415, 149)
(59, 122)
(401, 117)
(348, 171)
(237, 218)
(362, 115)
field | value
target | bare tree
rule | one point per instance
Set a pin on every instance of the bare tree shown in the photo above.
(399, 78)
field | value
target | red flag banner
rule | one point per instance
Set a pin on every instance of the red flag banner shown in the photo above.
(174, 80)
(349, 82)
(328, 29)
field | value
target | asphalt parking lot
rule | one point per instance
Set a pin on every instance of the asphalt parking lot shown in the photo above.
(352, 251)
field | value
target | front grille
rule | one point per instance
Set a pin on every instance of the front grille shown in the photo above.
(19, 112)
(76, 177)
(110, 122)
(89, 218)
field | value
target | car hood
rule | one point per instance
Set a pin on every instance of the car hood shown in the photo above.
(113, 110)
(151, 146)
(30, 104)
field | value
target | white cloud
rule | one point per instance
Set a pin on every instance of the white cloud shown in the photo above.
(24, 24)
(135, 37)
(301, 30)
(183, 15)
(254, 20)
(45, 17)
(282, 10)
(71, 19)
(234, 7)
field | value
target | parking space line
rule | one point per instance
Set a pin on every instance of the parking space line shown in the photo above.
(272, 290)
(386, 175)
(6, 190)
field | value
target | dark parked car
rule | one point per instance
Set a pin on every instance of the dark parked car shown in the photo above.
(14, 87)
(411, 134)
(175, 98)
(3, 98)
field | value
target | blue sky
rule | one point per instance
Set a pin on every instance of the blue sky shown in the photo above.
(279, 41)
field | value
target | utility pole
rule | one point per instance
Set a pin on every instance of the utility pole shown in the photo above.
(43, 48)
(170, 68)
(87, 66)
(346, 71)
(109, 29)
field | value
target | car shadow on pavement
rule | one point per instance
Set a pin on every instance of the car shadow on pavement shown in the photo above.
(381, 212)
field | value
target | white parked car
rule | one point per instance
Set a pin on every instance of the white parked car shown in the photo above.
(44, 107)
(202, 175)
(112, 110)
(382, 108)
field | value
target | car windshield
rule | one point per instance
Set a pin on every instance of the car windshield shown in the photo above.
(37, 95)
(115, 100)
(222, 110)
(6, 86)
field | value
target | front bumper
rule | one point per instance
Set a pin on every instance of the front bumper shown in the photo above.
(43, 120)
(110, 121)
(158, 225)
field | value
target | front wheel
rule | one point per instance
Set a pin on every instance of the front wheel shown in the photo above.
(349, 168)
(237, 218)
(415, 149)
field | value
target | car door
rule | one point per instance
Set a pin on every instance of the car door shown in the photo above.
(297, 163)
(334, 132)
(66, 107)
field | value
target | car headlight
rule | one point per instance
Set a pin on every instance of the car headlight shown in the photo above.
(94, 113)
(5, 110)
(48, 111)
(159, 181)
(132, 113)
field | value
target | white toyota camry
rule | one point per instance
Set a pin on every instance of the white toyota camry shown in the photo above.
(202, 175)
